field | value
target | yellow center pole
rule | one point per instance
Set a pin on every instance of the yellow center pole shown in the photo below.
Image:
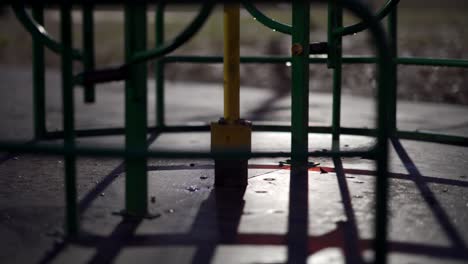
(231, 62)
(231, 134)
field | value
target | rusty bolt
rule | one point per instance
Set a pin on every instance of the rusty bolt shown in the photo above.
(296, 49)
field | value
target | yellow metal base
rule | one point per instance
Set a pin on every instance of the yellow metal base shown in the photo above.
(231, 171)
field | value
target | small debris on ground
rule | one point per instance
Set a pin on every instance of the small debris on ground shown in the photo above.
(102, 194)
(203, 177)
(322, 171)
(310, 164)
(276, 211)
(192, 188)
(170, 211)
(192, 164)
(153, 199)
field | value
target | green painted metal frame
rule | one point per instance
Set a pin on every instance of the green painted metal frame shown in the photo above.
(159, 66)
(72, 222)
(136, 128)
(39, 99)
(88, 49)
(136, 183)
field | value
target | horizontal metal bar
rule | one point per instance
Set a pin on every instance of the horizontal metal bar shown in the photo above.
(21, 147)
(87, 133)
(276, 128)
(410, 135)
(219, 59)
(206, 128)
(432, 137)
(261, 59)
(347, 60)
(433, 62)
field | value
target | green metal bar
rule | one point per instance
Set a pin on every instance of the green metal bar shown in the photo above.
(361, 26)
(206, 128)
(410, 135)
(432, 137)
(188, 33)
(72, 222)
(87, 133)
(159, 67)
(121, 72)
(136, 186)
(259, 59)
(383, 133)
(381, 185)
(393, 73)
(266, 21)
(53, 149)
(433, 62)
(300, 82)
(337, 12)
(39, 99)
(39, 33)
(314, 60)
(219, 59)
(331, 25)
(298, 220)
(88, 49)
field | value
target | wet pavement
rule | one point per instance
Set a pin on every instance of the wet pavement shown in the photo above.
(199, 224)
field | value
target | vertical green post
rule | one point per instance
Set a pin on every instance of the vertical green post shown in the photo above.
(159, 67)
(384, 128)
(88, 48)
(38, 78)
(298, 220)
(300, 82)
(331, 25)
(336, 21)
(393, 73)
(72, 225)
(135, 111)
(380, 246)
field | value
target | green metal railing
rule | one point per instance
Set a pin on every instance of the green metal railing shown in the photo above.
(134, 72)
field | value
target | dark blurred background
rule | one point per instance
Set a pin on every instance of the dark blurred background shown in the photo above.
(427, 28)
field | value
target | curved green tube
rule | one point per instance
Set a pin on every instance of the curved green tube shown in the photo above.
(361, 26)
(183, 37)
(38, 32)
(266, 21)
